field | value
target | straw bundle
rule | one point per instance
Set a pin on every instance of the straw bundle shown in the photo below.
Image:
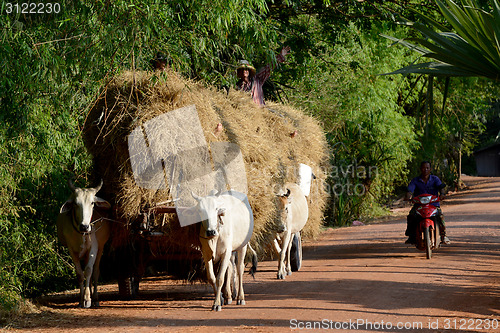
(270, 150)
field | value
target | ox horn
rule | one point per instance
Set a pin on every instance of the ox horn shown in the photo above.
(98, 187)
(196, 197)
(215, 193)
(71, 185)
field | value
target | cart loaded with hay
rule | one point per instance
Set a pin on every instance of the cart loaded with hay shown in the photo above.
(156, 138)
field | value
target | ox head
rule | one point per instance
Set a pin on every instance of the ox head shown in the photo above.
(284, 210)
(210, 210)
(81, 203)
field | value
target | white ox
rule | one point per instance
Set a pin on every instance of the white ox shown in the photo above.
(84, 231)
(227, 226)
(293, 215)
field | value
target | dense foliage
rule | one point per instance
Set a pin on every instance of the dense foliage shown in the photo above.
(53, 66)
(371, 139)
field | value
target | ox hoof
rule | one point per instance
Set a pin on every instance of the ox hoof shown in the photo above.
(228, 301)
(241, 302)
(86, 304)
(281, 276)
(216, 308)
(96, 305)
(289, 273)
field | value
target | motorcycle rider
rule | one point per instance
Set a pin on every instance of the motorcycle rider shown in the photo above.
(430, 184)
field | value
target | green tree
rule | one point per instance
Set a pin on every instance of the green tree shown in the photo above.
(371, 138)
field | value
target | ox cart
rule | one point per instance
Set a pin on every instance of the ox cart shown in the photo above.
(143, 132)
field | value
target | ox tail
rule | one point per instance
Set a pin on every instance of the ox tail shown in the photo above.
(253, 269)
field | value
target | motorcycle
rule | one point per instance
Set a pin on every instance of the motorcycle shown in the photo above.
(428, 235)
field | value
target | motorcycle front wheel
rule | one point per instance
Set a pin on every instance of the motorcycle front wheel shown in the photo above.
(428, 243)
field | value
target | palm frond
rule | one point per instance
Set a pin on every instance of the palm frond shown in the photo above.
(432, 68)
(472, 50)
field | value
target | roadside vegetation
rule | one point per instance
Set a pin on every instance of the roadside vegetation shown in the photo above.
(378, 126)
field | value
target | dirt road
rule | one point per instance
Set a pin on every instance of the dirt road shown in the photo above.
(353, 279)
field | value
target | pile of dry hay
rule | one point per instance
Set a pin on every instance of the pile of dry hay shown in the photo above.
(271, 152)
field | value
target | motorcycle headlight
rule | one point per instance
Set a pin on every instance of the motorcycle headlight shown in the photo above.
(425, 200)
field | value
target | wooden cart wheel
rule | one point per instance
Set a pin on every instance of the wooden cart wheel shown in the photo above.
(128, 287)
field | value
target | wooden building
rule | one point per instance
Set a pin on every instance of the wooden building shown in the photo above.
(488, 161)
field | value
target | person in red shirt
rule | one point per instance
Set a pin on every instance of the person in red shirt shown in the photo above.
(252, 81)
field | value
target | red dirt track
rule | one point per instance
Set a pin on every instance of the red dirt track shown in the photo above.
(359, 279)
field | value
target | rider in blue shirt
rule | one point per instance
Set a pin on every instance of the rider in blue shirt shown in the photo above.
(433, 186)
(430, 184)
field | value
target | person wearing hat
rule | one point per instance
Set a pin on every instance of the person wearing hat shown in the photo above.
(252, 81)
(160, 62)
(245, 73)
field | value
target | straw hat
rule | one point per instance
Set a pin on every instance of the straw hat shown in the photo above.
(244, 64)
(160, 61)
